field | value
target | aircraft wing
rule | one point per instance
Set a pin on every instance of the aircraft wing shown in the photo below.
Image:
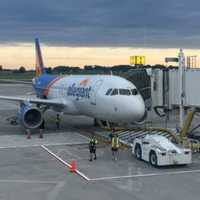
(50, 102)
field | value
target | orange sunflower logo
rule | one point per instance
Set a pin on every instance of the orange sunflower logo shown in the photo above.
(84, 82)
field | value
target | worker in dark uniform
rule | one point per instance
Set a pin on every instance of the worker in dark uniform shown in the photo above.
(42, 127)
(115, 146)
(58, 121)
(92, 148)
(111, 135)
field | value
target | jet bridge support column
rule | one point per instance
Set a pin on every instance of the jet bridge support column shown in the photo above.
(181, 59)
(187, 123)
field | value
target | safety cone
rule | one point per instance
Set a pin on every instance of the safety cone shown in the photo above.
(72, 167)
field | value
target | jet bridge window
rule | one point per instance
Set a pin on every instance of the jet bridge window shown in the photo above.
(114, 92)
(108, 91)
(124, 92)
(134, 91)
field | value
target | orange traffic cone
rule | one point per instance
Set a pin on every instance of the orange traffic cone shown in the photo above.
(72, 167)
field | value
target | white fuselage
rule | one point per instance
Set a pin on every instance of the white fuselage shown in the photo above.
(86, 95)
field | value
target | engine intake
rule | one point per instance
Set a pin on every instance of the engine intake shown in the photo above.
(29, 116)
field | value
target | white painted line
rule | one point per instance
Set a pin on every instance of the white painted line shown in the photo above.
(82, 175)
(53, 194)
(68, 144)
(65, 163)
(18, 146)
(57, 157)
(39, 145)
(83, 136)
(144, 175)
(27, 181)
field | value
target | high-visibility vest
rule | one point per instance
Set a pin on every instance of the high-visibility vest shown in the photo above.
(57, 119)
(115, 142)
(92, 143)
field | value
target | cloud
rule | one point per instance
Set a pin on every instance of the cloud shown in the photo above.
(115, 23)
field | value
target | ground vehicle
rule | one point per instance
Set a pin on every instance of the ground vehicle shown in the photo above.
(160, 151)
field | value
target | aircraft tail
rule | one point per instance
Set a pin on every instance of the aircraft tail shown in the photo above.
(39, 66)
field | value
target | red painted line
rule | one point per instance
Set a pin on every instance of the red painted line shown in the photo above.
(46, 92)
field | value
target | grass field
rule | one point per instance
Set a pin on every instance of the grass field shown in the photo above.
(16, 76)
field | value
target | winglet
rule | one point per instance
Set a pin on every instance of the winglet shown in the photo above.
(39, 66)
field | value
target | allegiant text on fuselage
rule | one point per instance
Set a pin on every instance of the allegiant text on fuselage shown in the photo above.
(78, 91)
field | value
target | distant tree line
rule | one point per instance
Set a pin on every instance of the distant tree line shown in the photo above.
(91, 69)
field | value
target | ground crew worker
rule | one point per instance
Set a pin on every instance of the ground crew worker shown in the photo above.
(92, 148)
(42, 127)
(58, 121)
(111, 134)
(115, 146)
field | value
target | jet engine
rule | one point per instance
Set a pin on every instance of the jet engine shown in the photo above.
(29, 116)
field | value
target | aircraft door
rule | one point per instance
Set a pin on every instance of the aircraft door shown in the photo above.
(94, 91)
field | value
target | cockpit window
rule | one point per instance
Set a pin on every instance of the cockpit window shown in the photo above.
(124, 92)
(134, 91)
(108, 91)
(121, 91)
(114, 92)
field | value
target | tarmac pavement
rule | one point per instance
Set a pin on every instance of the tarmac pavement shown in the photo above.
(28, 171)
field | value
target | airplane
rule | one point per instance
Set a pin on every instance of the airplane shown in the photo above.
(103, 97)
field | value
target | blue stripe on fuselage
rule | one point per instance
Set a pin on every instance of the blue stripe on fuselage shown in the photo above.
(41, 84)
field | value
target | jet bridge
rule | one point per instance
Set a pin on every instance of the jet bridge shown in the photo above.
(165, 87)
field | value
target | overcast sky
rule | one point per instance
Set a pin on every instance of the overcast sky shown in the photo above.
(107, 23)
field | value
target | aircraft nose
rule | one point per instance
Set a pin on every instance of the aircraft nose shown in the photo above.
(135, 110)
(138, 109)
(128, 110)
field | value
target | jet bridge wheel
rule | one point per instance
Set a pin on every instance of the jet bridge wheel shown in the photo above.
(138, 151)
(153, 158)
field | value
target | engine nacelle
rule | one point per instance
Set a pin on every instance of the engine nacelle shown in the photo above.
(29, 116)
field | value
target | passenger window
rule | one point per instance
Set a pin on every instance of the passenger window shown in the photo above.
(134, 91)
(124, 92)
(108, 91)
(114, 92)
